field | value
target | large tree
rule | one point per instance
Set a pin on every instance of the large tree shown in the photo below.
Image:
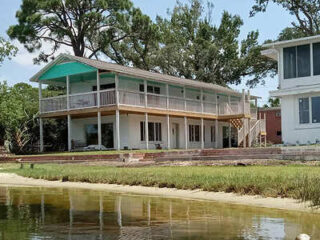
(84, 26)
(7, 50)
(192, 47)
(306, 13)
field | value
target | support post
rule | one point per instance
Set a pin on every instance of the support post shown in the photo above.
(146, 126)
(118, 129)
(116, 81)
(249, 131)
(99, 130)
(167, 93)
(168, 131)
(186, 132)
(68, 93)
(201, 100)
(69, 133)
(202, 134)
(229, 140)
(265, 128)
(145, 93)
(244, 101)
(40, 97)
(184, 97)
(244, 132)
(98, 89)
(260, 137)
(41, 134)
(216, 133)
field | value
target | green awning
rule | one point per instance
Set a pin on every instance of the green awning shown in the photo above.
(60, 71)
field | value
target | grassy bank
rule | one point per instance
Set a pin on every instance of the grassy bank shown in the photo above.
(299, 182)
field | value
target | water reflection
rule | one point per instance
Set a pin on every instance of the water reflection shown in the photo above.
(57, 213)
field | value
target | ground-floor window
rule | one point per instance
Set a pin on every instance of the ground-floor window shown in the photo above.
(213, 134)
(309, 107)
(194, 133)
(106, 134)
(154, 131)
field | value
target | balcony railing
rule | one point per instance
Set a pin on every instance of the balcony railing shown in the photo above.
(139, 99)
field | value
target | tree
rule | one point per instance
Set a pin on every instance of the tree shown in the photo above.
(272, 102)
(84, 26)
(7, 50)
(192, 47)
(307, 14)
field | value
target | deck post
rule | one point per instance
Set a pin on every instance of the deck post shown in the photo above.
(168, 131)
(244, 120)
(99, 130)
(167, 93)
(145, 93)
(186, 132)
(249, 135)
(229, 140)
(118, 129)
(202, 134)
(116, 81)
(244, 101)
(146, 130)
(201, 100)
(184, 97)
(69, 133)
(41, 134)
(216, 132)
(260, 140)
(265, 128)
(98, 89)
(68, 93)
(40, 96)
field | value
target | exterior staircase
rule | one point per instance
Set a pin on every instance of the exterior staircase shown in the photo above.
(250, 131)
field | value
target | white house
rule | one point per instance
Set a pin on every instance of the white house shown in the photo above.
(299, 88)
(110, 105)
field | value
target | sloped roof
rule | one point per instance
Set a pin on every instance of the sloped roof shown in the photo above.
(135, 72)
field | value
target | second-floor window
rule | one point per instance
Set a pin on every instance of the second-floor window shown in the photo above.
(296, 61)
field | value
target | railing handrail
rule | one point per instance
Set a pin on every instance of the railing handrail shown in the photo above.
(56, 97)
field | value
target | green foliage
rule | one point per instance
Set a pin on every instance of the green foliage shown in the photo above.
(19, 123)
(307, 14)
(7, 50)
(272, 102)
(84, 26)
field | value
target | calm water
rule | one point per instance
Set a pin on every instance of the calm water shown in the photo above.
(57, 213)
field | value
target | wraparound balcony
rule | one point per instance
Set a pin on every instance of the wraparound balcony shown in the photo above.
(143, 100)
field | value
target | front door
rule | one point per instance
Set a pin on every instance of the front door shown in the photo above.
(174, 136)
(107, 135)
(225, 136)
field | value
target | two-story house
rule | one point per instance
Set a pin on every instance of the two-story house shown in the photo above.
(116, 107)
(299, 88)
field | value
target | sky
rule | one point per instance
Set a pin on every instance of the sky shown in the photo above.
(269, 25)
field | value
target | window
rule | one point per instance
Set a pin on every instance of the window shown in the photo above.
(315, 101)
(296, 61)
(304, 110)
(278, 114)
(154, 131)
(150, 89)
(104, 87)
(213, 134)
(303, 60)
(279, 133)
(316, 59)
(194, 133)
(289, 62)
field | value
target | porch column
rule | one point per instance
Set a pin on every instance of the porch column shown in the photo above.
(69, 133)
(249, 130)
(184, 97)
(216, 133)
(201, 100)
(116, 81)
(202, 134)
(41, 134)
(229, 134)
(40, 96)
(167, 93)
(117, 129)
(260, 137)
(244, 132)
(145, 93)
(186, 132)
(98, 89)
(265, 129)
(99, 130)
(146, 128)
(68, 93)
(243, 101)
(168, 131)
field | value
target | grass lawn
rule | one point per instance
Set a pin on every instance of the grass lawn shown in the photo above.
(299, 182)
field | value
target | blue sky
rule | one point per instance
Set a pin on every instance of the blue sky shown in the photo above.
(269, 24)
